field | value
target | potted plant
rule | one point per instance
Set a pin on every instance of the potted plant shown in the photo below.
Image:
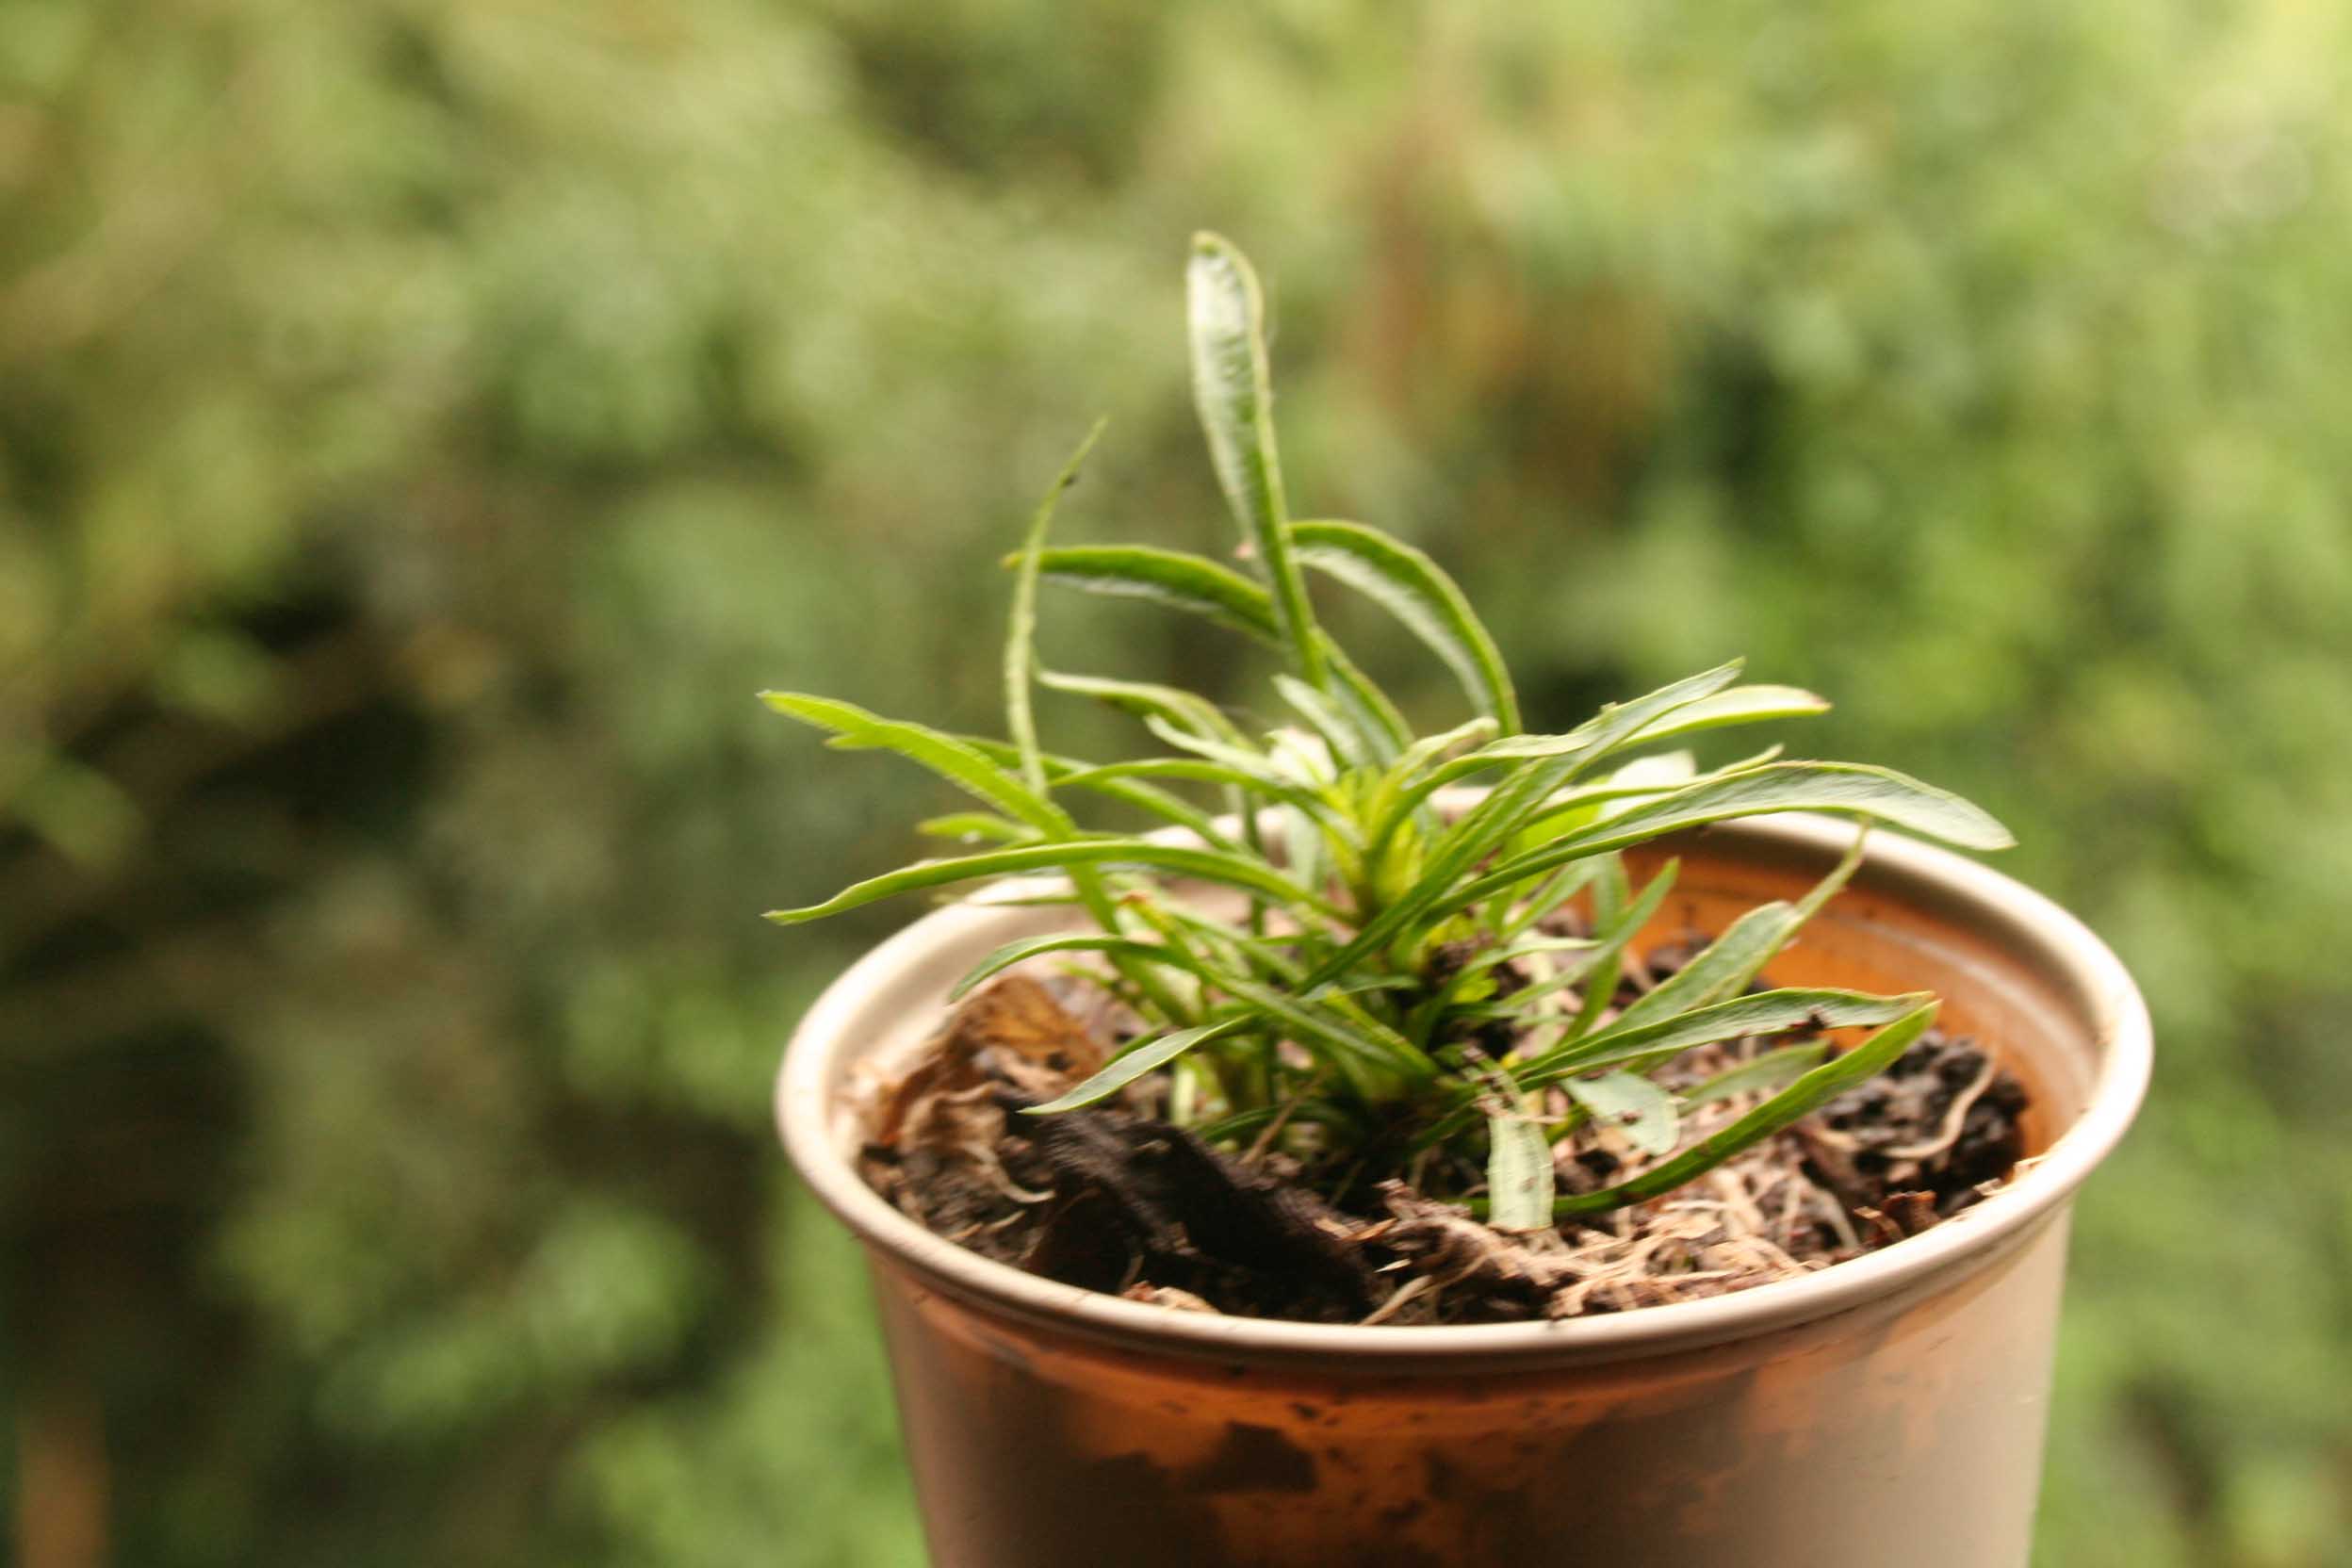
(1452, 1154)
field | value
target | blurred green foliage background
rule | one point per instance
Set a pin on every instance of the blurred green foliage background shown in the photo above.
(425, 423)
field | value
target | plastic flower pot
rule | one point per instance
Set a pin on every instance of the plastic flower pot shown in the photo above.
(1887, 1410)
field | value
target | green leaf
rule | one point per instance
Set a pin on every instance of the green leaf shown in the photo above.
(972, 826)
(1233, 391)
(1144, 1057)
(1203, 587)
(1264, 956)
(1327, 1113)
(1182, 581)
(960, 764)
(1644, 778)
(1563, 885)
(1415, 589)
(1798, 1100)
(1208, 865)
(1619, 916)
(1518, 1172)
(1738, 705)
(1721, 969)
(1304, 757)
(1613, 728)
(1542, 764)
(1631, 1104)
(1644, 775)
(1033, 947)
(1846, 789)
(1021, 633)
(1376, 718)
(1428, 752)
(1326, 718)
(1724, 966)
(1263, 779)
(1767, 1013)
(1363, 1038)
(1070, 773)
(1764, 1073)
(1331, 1020)
(1146, 699)
(1245, 762)
(1470, 981)
(1501, 814)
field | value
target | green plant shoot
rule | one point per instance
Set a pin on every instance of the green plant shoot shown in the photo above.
(1384, 971)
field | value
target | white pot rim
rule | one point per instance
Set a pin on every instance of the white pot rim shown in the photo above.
(814, 1133)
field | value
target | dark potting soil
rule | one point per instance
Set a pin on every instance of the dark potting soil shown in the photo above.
(1115, 1198)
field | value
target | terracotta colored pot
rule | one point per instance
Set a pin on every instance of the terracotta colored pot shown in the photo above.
(1885, 1410)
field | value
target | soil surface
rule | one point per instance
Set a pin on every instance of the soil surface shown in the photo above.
(1114, 1198)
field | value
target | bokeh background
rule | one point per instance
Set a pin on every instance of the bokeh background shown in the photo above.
(425, 423)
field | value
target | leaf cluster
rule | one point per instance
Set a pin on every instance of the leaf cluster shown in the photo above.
(1388, 985)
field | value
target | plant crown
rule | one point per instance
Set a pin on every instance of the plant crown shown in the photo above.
(1387, 989)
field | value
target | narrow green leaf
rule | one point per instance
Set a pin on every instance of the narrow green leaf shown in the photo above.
(1021, 634)
(1205, 587)
(1182, 581)
(1265, 780)
(1620, 918)
(1848, 788)
(1144, 1057)
(1430, 750)
(1505, 810)
(1845, 789)
(1233, 391)
(1562, 886)
(1332, 1020)
(1767, 1013)
(1376, 718)
(1326, 718)
(1518, 1172)
(972, 826)
(1364, 1042)
(1356, 1032)
(1243, 760)
(1645, 776)
(1541, 764)
(1613, 728)
(1033, 947)
(960, 764)
(1207, 865)
(1631, 1104)
(1415, 589)
(1445, 1003)
(1738, 705)
(1264, 956)
(1725, 966)
(1763, 1074)
(1304, 757)
(1575, 809)
(1798, 1100)
(1070, 773)
(1325, 1113)
(1149, 699)
(1721, 969)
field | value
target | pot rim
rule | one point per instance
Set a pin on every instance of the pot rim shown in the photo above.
(2123, 1040)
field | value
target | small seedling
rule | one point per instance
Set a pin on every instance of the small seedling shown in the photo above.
(1393, 985)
